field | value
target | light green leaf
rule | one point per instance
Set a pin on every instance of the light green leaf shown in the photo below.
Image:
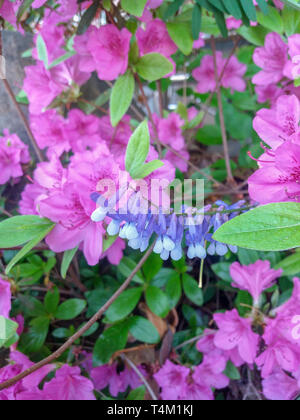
(147, 169)
(274, 227)
(28, 247)
(137, 394)
(134, 7)
(23, 8)
(124, 305)
(121, 97)
(181, 34)
(153, 67)
(42, 50)
(255, 35)
(272, 21)
(290, 265)
(8, 329)
(138, 148)
(143, 330)
(18, 230)
(67, 259)
(61, 59)
(70, 309)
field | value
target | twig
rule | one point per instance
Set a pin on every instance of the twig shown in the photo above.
(141, 376)
(230, 178)
(84, 329)
(3, 211)
(20, 112)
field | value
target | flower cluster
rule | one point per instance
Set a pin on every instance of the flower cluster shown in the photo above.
(276, 352)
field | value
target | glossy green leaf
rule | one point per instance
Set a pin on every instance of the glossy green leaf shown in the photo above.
(192, 290)
(52, 300)
(112, 340)
(138, 148)
(124, 305)
(274, 227)
(121, 97)
(153, 67)
(70, 309)
(67, 259)
(181, 34)
(157, 301)
(143, 330)
(134, 7)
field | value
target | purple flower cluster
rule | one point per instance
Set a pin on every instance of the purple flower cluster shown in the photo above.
(171, 231)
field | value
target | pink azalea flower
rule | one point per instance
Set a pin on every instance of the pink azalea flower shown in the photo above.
(199, 43)
(268, 93)
(87, 63)
(5, 298)
(53, 36)
(13, 153)
(272, 58)
(49, 130)
(210, 372)
(233, 23)
(196, 392)
(69, 385)
(280, 124)
(155, 39)
(292, 69)
(172, 379)
(41, 89)
(108, 376)
(236, 332)
(280, 387)
(254, 278)
(232, 77)
(82, 131)
(170, 131)
(114, 254)
(277, 180)
(177, 162)
(38, 3)
(110, 48)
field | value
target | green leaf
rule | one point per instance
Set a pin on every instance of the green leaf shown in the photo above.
(70, 309)
(233, 8)
(153, 67)
(28, 247)
(124, 305)
(157, 301)
(112, 340)
(232, 372)
(272, 21)
(67, 259)
(87, 18)
(126, 267)
(196, 21)
(42, 50)
(274, 227)
(291, 20)
(121, 97)
(263, 6)
(8, 329)
(192, 290)
(134, 7)
(147, 169)
(23, 8)
(255, 35)
(18, 230)
(152, 266)
(249, 9)
(209, 134)
(52, 300)
(61, 333)
(173, 289)
(221, 22)
(22, 98)
(173, 8)
(143, 330)
(292, 3)
(290, 265)
(34, 340)
(62, 59)
(181, 34)
(222, 270)
(138, 148)
(137, 394)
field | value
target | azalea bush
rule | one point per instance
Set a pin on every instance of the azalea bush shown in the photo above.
(150, 218)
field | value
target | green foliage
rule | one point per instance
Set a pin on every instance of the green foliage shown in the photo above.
(153, 66)
(121, 97)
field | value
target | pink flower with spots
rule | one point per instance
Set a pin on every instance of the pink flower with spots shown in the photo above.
(232, 76)
(254, 278)
(279, 124)
(110, 48)
(172, 379)
(272, 59)
(278, 179)
(236, 332)
(210, 372)
(13, 153)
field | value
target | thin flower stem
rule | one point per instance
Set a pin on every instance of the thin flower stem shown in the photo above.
(5, 212)
(141, 376)
(54, 356)
(230, 178)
